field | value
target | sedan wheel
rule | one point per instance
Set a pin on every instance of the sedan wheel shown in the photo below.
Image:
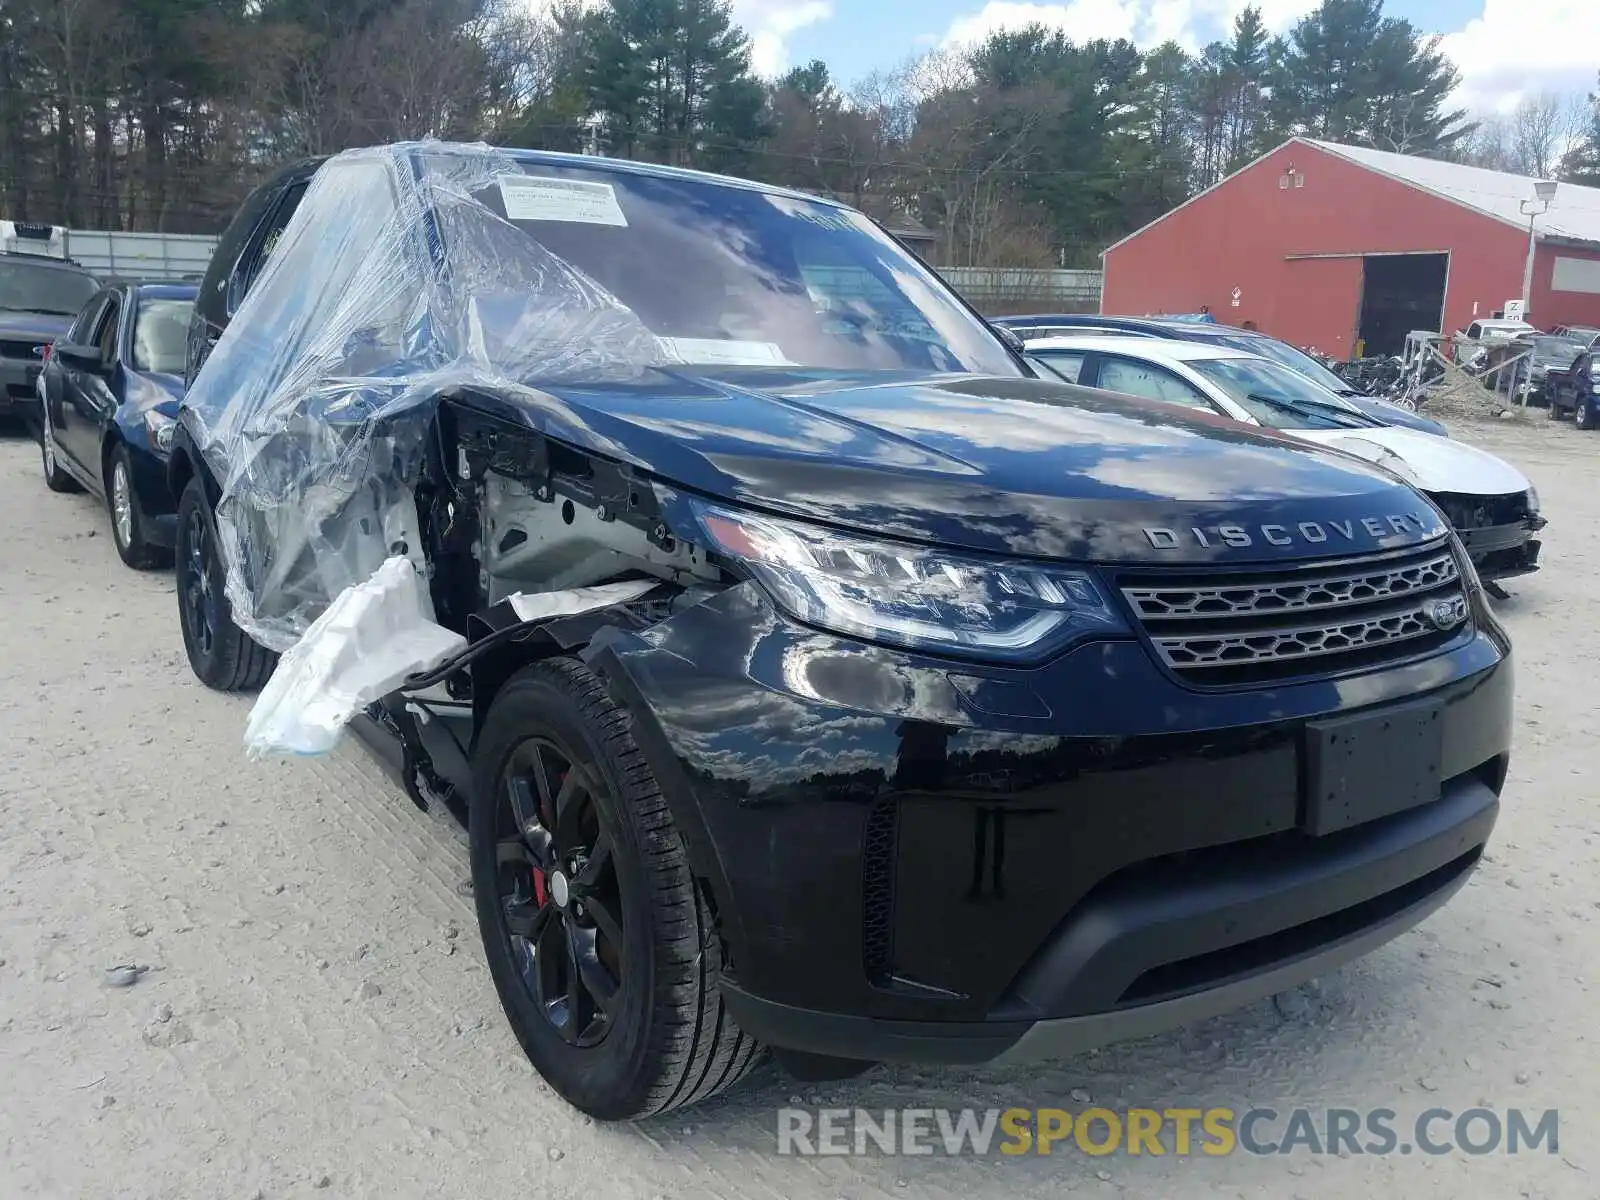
(128, 524)
(55, 478)
(122, 503)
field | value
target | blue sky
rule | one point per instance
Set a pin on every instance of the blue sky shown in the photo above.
(1505, 48)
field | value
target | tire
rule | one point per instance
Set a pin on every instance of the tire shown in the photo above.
(220, 654)
(55, 478)
(667, 1041)
(1585, 416)
(127, 518)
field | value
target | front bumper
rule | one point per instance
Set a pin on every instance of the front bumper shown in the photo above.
(1498, 532)
(1389, 878)
(19, 395)
(1504, 551)
(915, 861)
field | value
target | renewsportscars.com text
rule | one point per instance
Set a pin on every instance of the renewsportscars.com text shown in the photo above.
(1178, 1131)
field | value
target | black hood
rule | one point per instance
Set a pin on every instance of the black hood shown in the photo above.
(44, 327)
(1006, 466)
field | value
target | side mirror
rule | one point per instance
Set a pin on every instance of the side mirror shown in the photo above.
(79, 358)
(1009, 337)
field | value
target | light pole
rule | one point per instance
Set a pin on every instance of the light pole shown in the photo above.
(1544, 191)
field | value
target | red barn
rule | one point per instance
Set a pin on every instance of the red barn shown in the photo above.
(1345, 249)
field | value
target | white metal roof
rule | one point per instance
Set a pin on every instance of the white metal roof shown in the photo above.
(1150, 349)
(1574, 213)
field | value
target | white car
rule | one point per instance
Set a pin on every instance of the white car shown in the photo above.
(1492, 505)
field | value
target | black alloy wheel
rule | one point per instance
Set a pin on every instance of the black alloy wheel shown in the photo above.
(221, 654)
(600, 941)
(200, 614)
(559, 889)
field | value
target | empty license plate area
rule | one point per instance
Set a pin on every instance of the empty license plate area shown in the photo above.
(1369, 766)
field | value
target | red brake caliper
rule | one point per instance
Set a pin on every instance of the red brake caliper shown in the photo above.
(540, 892)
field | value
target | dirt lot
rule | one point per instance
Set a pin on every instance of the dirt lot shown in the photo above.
(316, 1018)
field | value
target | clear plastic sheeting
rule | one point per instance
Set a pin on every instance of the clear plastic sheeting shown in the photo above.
(394, 283)
(362, 647)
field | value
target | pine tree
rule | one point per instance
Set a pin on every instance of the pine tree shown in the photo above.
(1347, 73)
(671, 81)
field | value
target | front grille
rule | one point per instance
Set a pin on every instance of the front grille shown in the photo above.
(1239, 627)
(10, 349)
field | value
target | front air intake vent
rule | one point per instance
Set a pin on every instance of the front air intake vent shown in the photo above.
(877, 890)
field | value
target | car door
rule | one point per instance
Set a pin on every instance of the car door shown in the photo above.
(93, 395)
(1136, 377)
(56, 377)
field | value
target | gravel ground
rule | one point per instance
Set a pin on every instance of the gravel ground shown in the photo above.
(315, 1017)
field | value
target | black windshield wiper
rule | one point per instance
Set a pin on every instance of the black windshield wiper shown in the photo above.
(1317, 409)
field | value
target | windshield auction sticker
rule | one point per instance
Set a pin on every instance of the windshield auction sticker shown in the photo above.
(531, 198)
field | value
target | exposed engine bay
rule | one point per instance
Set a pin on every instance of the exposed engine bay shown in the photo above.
(542, 517)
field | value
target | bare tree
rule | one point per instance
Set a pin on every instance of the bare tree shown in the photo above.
(1489, 145)
(1539, 130)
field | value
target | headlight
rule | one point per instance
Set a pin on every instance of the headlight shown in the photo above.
(912, 596)
(160, 427)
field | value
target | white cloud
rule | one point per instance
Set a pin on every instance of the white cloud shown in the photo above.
(770, 24)
(1518, 48)
(1085, 20)
(1190, 23)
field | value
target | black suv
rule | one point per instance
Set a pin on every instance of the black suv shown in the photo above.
(952, 715)
(39, 297)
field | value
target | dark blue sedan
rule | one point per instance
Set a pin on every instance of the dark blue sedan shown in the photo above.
(109, 396)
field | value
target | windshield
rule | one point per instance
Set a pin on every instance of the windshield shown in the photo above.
(160, 335)
(1286, 355)
(35, 287)
(1276, 396)
(1561, 349)
(726, 275)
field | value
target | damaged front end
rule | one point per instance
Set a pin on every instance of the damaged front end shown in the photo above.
(527, 552)
(375, 517)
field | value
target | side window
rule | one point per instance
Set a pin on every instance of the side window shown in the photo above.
(1066, 363)
(83, 329)
(1151, 382)
(105, 334)
(263, 244)
(1474, 331)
